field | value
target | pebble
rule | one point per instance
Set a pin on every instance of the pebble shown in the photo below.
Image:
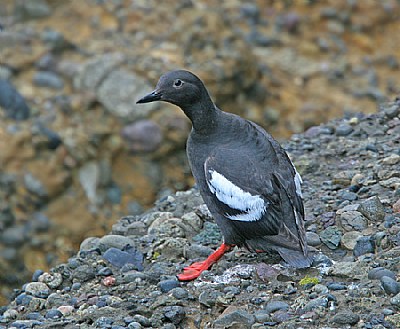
(12, 102)
(104, 271)
(395, 300)
(331, 237)
(48, 79)
(276, 305)
(83, 273)
(336, 286)
(349, 239)
(119, 258)
(313, 239)
(32, 9)
(180, 293)
(175, 314)
(373, 209)
(378, 272)
(53, 314)
(364, 245)
(346, 317)
(142, 136)
(233, 315)
(37, 289)
(167, 285)
(314, 303)
(344, 130)
(390, 285)
(208, 297)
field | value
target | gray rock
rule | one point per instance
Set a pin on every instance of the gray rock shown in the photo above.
(314, 303)
(48, 79)
(119, 92)
(347, 270)
(210, 234)
(89, 177)
(95, 71)
(35, 186)
(395, 301)
(119, 258)
(392, 110)
(276, 305)
(347, 317)
(390, 285)
(37, 289)
(13, 236)
(344, 129)
(114, 241)
(208, 297)
(31, 9)
(167, 285)
(12, 102)
(352, 221)
(262, 316)
(331, 237)
(179, 293)
(313, 239)
(373, 209)
(142, 136)
(175, 314)
(194, 251)
(364, 245)
(378, 272)
(84, 273)
(237, 318)
(349, 239)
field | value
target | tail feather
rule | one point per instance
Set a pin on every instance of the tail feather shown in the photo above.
(296, 258)
(292, 254)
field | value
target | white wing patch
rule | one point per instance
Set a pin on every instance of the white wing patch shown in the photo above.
(297, 181)
(253, 206)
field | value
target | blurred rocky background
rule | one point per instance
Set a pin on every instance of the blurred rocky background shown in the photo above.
(76, 153)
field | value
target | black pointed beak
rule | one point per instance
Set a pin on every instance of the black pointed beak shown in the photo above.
(152, 97)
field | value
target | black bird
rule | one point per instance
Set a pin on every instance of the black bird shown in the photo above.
(247, 180)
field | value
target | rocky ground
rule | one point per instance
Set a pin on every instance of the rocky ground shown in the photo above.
(75, 151)
(351, 173)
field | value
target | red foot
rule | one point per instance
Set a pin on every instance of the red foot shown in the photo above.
(193, 271)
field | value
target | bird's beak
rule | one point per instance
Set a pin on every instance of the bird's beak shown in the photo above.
(152, 97)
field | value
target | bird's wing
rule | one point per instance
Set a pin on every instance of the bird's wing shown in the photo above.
(257, 200)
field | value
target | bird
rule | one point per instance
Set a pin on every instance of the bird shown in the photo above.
(246, 179)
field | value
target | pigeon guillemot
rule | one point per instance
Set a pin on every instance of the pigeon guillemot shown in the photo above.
(247, 180)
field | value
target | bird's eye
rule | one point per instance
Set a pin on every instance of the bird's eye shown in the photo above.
(178, 83)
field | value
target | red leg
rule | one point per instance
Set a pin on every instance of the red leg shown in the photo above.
(193, 271)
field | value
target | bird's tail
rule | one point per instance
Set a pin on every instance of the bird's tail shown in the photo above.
(291, 255)
(296, 258)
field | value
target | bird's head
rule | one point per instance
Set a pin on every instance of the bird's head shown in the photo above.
(180, 87)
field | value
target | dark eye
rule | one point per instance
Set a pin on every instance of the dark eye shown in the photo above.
(178, 83)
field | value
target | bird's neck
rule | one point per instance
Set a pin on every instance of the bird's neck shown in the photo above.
(203, 116)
